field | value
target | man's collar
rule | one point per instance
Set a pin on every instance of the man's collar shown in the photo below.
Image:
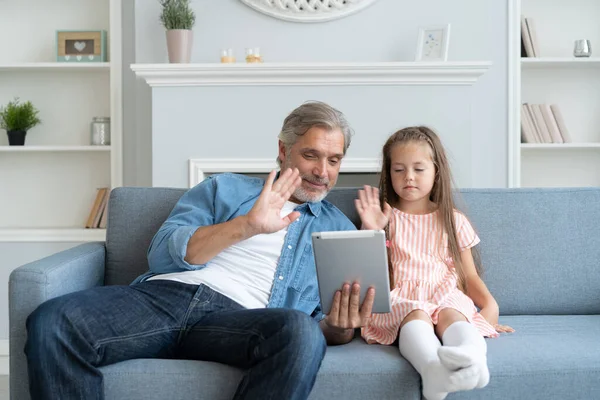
(315, 208)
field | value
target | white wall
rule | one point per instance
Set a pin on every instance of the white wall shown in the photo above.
(385, 31)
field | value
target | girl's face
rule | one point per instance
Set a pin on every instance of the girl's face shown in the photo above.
(412, 172)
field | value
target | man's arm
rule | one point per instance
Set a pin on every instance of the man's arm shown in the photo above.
(208, 241)
(347, 314)
(264, 217)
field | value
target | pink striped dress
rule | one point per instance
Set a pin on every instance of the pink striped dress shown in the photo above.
(422, 280)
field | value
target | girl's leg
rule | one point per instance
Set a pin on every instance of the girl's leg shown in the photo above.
(419, 345)
(463, 345)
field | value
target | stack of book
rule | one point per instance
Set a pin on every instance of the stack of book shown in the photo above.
(543, 123)
(529, 42)
(99, 212)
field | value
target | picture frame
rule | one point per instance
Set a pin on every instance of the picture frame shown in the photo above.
(81, 46)
(432, 43)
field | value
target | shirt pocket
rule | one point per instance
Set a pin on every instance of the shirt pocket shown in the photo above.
(305, 276)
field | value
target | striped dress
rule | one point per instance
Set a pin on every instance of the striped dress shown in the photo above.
(422, 280)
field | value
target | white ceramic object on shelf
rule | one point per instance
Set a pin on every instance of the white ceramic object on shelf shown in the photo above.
(308, 10)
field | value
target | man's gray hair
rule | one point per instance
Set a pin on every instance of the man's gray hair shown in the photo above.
(309, 114)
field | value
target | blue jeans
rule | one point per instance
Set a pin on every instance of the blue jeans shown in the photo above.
(69, 337)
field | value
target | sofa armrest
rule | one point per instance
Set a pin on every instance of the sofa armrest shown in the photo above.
(30, 285)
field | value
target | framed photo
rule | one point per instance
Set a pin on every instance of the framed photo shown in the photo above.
(81, 46)
(432, 43)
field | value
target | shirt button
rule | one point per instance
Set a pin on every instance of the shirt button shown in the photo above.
(280, 277)
(289, 246)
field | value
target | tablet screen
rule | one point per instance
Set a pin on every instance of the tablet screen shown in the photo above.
(352, 256)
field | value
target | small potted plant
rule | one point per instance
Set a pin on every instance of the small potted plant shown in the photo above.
(17, 118)
(178, 19)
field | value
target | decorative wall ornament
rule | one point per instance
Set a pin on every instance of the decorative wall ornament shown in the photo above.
(308, 10)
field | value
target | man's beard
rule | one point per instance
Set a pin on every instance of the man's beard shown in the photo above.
(306, 196)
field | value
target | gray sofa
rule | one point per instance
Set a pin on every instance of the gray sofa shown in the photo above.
(541, 251)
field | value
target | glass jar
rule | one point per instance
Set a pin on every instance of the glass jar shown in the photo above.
(227, 56)
(100, 131)
(249, 55)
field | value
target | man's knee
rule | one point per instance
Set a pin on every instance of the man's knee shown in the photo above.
(303, 334)
(48, 322)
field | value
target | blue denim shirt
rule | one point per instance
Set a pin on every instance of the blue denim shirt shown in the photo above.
(222, 197)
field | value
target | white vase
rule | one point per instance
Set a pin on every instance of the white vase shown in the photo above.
(179, 45)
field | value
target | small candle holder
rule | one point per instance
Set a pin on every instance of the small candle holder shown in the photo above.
(253, 55)
(227, 56)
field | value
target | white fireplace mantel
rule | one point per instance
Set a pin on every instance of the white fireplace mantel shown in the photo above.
(415, 88)
(307, 74)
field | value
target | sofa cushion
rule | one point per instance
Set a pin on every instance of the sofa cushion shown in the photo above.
(355, 370)
(548, 357)
(135, 215)
(531, 238)
(540, 247)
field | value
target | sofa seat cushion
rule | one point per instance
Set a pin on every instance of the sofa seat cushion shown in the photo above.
(548, 357)
(355, 370)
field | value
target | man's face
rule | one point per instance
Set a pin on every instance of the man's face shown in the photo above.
(317, 154)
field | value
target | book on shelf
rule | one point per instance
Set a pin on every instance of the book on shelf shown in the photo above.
(534, 126)
(544, 133)
(529, 41)
(528, 133)
(551, 123)
(564, 132)
(543, 123)
(99, 208)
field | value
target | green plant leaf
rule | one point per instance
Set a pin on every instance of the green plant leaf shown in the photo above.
(16, 116)
(177, 14)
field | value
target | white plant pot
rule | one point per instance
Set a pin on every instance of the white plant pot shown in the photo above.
(179, 45)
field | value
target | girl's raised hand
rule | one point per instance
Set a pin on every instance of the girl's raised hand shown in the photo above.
(369, 209)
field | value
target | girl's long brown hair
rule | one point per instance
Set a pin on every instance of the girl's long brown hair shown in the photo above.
(441, 193)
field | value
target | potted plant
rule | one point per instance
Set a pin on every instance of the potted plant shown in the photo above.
(17, 118)
(178, 19)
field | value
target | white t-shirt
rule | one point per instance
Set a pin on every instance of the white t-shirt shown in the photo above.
(243, 272)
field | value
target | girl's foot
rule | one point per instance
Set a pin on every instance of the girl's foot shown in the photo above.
(456, 358)
(438, 380)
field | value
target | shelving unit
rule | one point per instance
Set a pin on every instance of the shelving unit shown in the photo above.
(7, 149)
(556, 77)
(54, 66)
(559, 62)
(51, 181)
(52, 235)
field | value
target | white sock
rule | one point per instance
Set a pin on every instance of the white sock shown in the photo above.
(464, 347)
(419, 345)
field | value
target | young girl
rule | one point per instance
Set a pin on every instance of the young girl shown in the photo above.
(434, 280)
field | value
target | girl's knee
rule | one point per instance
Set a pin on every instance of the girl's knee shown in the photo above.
(416, 315)
(449, 315)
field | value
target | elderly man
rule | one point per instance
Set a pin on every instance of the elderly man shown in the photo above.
(232, 280)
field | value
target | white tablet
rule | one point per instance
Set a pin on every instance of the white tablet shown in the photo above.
(352, 256)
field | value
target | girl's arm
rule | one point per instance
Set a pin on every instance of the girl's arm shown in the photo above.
(479, 293)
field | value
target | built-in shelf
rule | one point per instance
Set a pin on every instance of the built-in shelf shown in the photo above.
(52, 235)
(560, 62)
(560, 146)
(307, 74)
(22, 149)
(55, 66)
